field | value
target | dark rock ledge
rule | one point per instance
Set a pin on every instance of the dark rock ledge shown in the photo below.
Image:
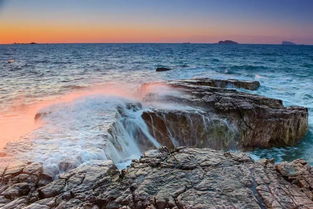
(223, 118)
(184, 178)
(250, 85)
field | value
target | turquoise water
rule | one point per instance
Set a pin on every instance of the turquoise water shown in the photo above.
(33, 73)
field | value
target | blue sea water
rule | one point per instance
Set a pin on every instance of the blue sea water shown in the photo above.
(32, 73)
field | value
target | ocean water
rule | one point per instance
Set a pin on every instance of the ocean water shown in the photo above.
(74, 90)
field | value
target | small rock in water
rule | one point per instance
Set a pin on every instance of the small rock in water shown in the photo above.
(162, 69)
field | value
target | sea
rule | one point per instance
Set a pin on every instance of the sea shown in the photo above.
(58, 101)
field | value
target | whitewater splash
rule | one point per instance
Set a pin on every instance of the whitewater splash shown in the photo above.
(99, 123)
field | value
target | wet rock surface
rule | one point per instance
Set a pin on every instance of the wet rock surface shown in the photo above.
(184, 178)
(242, 120)
(230, 83)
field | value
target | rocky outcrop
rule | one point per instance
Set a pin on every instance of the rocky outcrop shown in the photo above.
(230, 83)
(198, 113)
(19, 182)
(221, 118)
(184, 178)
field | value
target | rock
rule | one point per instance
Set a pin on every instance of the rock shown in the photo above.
(52, 189)
(227, 42)
(193, 129)
(162, 69)
(13, 169)
(43, 203)
(16, 204)
(41, 115)
(17, 190)
(230, 83)
(183, 178)
(299, 173)
(37, 206)
(4, 201)
(221, 118)
(203, 178)
(20, 182)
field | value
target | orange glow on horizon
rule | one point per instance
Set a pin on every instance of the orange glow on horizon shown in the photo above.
(143, 21)
(25, 33)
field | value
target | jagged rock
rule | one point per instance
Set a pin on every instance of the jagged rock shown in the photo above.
(52, 189)
(299, 173)
(184, 178)
(16, 204)
(16, 190)
(20, 180)
(3, 200)
(222, 118)
(43, 204)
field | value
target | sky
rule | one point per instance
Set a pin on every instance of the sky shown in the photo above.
(161, 21)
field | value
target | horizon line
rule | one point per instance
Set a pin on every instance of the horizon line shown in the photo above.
(35, 43)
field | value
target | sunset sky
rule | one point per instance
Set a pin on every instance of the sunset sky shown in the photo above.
(101, 21)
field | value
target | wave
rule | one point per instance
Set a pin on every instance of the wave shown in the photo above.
(97, 123)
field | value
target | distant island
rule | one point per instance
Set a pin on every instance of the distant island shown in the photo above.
(288, 43)
(25, 43)
(228, 42)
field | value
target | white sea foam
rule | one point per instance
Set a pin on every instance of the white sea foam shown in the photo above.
(100, 126)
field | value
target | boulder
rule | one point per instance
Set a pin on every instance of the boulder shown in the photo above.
(221, 118)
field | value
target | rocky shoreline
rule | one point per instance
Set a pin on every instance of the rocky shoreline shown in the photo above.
(194, 168)
(184, 178)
